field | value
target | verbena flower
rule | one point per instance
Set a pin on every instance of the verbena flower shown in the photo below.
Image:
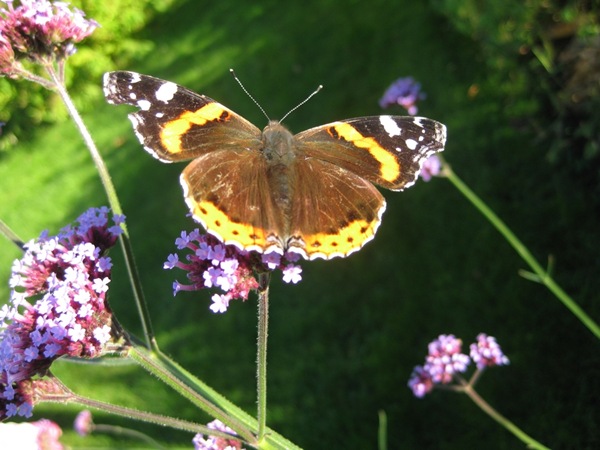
(58, 305)
(83, 423)
(420, 381)
(40, 435)
(487, 353)
(431, 167)
(211, 264)
(40, 30)
(216, 443)
(405, 92)
(445, 361)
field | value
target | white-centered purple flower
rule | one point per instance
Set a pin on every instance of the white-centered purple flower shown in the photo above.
(66, 277)
(405, 92)
(445, 361)
(487, 353)
(40, 29)
(214, 442)
(211, 264)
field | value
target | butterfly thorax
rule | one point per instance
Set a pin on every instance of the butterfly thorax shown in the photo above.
(279, 153)
(278, 144)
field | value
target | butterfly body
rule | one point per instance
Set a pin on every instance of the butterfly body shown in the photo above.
(311, 193)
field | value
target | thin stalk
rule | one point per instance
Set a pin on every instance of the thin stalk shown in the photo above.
(542, 275)
(382, 431)
(128, 432)
(154, 366)
(524, 437)
(261, 353)
(115, 205)
(11, 235)
(193, 387)
(62, 394)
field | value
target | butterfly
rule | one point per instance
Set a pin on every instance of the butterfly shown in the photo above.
(312, 193)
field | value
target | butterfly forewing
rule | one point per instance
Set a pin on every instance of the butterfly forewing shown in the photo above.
(386, 150)
(176, 124)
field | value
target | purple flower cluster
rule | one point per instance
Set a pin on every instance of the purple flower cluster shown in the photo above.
(487, 353)
(431, 167)
(40, 29)
(211, 264)
(445, 360)
(216, 443)
(405, 92)
(67, 276)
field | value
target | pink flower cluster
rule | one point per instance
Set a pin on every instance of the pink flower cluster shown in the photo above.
(445, 360)
(487, 353)
(42, 434)
(216, 443)
(67, 276)
(211, 264)
(37, 29)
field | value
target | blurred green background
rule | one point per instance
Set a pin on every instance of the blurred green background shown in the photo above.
(516, 83)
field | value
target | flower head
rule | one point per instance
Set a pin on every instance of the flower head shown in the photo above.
(487, 353)
(404, 92)
(431, 167)
(445, 361)
(211, 264)
(41, 29)
(66, 277)
(420, 381)
(216, 443)
(83, 424)
(40, 435)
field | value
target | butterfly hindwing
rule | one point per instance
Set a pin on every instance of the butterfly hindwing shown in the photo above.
(228, 192)
(334, 214)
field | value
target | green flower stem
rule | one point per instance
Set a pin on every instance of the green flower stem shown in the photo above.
(541, 275)
(149, 362)
(115, 205)
(382, 431)
(62, 394)
(524, 437)
(261, 354)
(7, 232)
(128, 432)
(206, 398)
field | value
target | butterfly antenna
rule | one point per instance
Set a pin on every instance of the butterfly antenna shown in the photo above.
(302, 102)
(248, 94)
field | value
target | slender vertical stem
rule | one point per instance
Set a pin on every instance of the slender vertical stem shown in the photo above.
(114, 204)
(261, 356)
(541, 275)
(382, 431)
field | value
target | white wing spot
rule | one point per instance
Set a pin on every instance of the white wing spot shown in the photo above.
(132, 95)
(411, 144)
(144, 105)
(390, 126)
(166, 92)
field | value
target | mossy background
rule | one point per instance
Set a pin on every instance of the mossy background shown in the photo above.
(343, 342)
